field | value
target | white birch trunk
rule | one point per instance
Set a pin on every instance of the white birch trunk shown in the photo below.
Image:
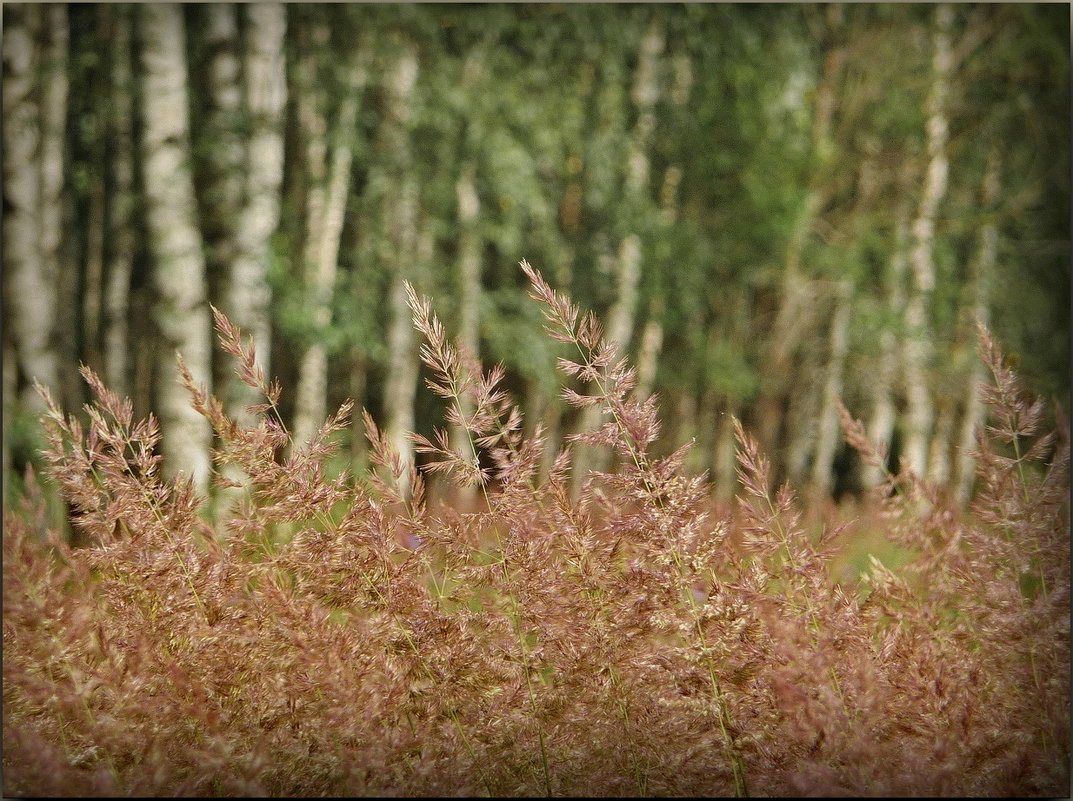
(401, 212)
(648, 354)
(827, 437)
(96, 216)
(918, 344)
(939, 449)
(884, 412)
(247, 295)
(724, 457)
(312, 363)
(56, 209)
(469, 298)
(120, 230)
(651, 344)
(222, 189)
(10, 379)
(620, 319)
(795, 314)
(986, 261)
(29, 275)
(322, 265)
(181, 312)
(400, 389)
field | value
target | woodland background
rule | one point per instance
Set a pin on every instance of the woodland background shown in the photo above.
(770, 207)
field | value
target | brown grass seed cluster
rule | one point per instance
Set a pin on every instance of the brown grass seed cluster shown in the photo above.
(338, 636)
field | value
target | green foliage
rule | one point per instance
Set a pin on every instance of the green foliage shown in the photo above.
(728, 373)
(537, 100)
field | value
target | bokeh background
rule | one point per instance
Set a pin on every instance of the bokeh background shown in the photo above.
(770, 207)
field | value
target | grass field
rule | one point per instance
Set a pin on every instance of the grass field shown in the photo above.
(336, 636)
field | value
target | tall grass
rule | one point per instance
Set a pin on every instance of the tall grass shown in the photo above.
(336, 636)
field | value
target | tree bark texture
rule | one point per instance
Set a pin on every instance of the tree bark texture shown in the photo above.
(828, 436)
(724, 456)
(986, 261)
(619, 325)
(181, 312)
(401, 220)
(321, 256)
(120, 225)
(884, 414)
(221, 184)
(247, 295)
(918, 344)
(797, 296)
(469, 298)
(33, 174)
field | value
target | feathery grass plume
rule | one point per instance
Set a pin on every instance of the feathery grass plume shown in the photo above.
(977, 628)
(334, 636)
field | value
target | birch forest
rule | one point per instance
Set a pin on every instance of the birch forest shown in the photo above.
(771, 208)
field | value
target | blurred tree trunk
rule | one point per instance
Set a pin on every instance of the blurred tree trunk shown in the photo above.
(93, 294)
(980, 288)
(220, 170)
(218, 143)
(401, 219)
(359, 380)
(120, 234)
(803, 403)
(724, 455)
(325, 213)
(247, 296)
(828, 435)
(651, 344)
(10, 378)
(919, 347)
(939, 463)
(469, 297)
(180, 311)
(883, 417)
(33, 173)
(649, 350)
(470, 243)
(312, 123)
(621, 316)
(781, 385)
(623, 312)
(58, 247)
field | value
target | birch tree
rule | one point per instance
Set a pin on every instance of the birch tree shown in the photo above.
(326, 206)
(34, 105)
(120, 234)
(918, 348)
(181, 312)
(400, 223)
(828, 434)
(468, 209)
(469, 297)
(979, 289)
(884, 412)
(247, 295)
(220, 163)
(795, 319)
(621, 316)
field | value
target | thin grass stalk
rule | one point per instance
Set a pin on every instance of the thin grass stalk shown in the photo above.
(440, 357)
(564, 317)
